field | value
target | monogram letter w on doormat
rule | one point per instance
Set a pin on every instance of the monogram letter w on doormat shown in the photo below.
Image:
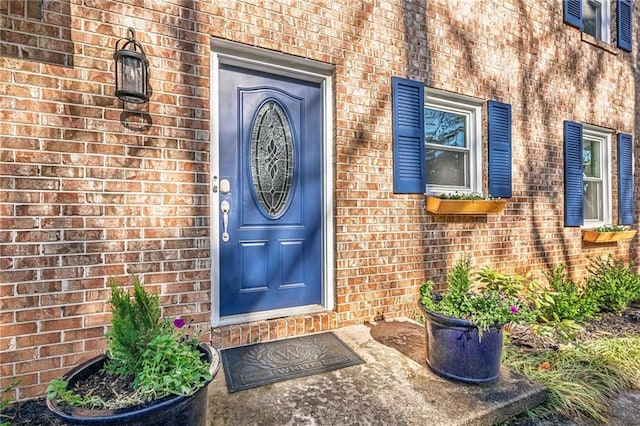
(261, 364)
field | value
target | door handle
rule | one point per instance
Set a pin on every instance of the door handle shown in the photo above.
(224, 208)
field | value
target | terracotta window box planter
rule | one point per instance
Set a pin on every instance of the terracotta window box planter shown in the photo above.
(436, 205)
(607, 237)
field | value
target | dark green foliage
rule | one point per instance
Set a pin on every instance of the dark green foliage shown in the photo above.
(455, 301)
(160, 359)
(171, 367)
(566, 299)
(427, 298)
(134, 323)
(491, 299)
(612, 284)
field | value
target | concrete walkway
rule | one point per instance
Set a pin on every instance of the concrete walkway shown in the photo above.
(389, 389)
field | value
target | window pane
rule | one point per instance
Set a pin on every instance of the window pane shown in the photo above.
(591, 162)
(592, 17)
(446, 168)
(444, 128)
(593, 201)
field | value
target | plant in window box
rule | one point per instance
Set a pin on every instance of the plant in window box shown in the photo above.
(608, 234)
(155, 371)
(464, 203)
(463, 325)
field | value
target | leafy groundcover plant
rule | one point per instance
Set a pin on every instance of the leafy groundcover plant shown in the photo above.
(485, 298)
(154, 356)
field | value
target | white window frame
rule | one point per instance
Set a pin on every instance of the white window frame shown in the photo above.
(604, 137)
(605, 18)
(471, 109)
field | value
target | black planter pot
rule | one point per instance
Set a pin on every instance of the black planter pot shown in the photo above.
(170, 410)
(456, 351)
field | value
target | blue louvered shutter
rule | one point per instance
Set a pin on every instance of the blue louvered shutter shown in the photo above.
(624, 25)
(408, 136)
(499, 149)
(573, 175)
(573, 13)
(625, 179)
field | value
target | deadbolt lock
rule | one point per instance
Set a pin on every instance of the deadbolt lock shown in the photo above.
(225, 186)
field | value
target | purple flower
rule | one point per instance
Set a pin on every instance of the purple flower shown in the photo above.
(514, 310)
(178, 322)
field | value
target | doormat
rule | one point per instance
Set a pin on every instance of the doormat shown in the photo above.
(261, 364)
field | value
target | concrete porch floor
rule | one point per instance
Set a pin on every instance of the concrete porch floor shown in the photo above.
(390, 388)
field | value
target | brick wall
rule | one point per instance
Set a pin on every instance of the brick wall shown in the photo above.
(91, 192)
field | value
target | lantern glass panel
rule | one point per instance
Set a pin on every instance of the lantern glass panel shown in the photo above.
(131, 74)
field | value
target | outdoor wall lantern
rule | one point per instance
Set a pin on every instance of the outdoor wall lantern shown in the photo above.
(132, 70)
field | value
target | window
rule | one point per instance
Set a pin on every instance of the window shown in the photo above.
(596, 172)
(596, 19)
(453, 143)
(437, 142)
(587, 175)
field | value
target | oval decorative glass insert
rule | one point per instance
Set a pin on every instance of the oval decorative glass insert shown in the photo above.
(272, 158)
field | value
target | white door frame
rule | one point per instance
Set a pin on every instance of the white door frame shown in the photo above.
(231, 53)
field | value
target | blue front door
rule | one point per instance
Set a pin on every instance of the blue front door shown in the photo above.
(270, 192)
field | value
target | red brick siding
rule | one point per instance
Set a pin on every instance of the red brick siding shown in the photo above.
(90, 192)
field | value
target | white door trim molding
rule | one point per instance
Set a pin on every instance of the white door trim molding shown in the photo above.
(231, 53)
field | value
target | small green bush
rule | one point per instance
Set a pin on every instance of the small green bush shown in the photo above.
(135, 322)
(612, 284)
(567, 300)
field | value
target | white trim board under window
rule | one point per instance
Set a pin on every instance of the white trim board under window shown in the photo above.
(465, 153)
(596, 158)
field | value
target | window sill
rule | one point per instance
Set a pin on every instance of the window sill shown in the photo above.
(589, 39)
(439, 206)
(592, 236)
